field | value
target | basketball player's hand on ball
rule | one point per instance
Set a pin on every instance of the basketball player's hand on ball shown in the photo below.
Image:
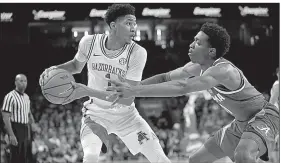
(45, 74)
(120, 90)
(79, 91)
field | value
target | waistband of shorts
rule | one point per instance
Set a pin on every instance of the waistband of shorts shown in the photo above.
(265, 108)
(121, 108)
(96, 102)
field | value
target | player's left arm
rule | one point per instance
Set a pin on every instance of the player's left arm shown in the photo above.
(212, 77)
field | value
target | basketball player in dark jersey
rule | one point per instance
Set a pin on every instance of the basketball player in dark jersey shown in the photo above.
(256, 122)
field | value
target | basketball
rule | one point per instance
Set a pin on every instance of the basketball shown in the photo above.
(57, 87)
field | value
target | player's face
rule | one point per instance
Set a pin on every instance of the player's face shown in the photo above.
(21, 82)
(126, 28)
(199, 48)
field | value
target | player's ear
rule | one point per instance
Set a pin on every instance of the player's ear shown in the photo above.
(212, 52)
(112, 25)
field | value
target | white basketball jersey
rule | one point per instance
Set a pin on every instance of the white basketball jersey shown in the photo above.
(102, 66)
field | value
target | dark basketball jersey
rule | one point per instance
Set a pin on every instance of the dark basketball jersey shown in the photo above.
(243, 102)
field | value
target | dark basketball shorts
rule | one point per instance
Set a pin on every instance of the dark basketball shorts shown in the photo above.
(263, 128)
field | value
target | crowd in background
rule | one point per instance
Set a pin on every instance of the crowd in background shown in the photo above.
(56, 135)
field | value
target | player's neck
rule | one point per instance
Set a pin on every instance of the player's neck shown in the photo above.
(113, 43)
(207, 64)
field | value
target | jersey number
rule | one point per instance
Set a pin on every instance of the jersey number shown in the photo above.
(108, 77)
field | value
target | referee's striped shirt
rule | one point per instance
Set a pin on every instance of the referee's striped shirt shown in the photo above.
(18, 105)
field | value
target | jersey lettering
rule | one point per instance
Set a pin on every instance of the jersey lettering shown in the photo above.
(109, 69)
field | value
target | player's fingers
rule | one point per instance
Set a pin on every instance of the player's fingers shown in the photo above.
(111, 88)
(116, 100)
(88, 120)
(112, 96)
(40, 81)
(121, 78)
(66, 101)
(115, 82)
(46, 73)
(74, 84)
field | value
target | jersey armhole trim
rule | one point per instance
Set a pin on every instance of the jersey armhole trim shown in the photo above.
(129, 53)
(241, 86)
(91, 48)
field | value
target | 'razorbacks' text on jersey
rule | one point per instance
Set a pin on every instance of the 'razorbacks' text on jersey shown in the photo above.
(241, 103)
(125, 63)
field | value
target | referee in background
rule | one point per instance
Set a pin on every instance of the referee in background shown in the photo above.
(17, 116)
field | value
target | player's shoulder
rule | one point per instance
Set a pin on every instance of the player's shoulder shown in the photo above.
(191, 66)
(138, 49)
(87, 39)
(221, 71)
(224, 66)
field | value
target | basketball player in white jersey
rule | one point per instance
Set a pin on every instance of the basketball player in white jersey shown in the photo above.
(114, 56)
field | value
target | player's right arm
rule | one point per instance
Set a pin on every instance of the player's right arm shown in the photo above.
(75, 65)
(187, 71)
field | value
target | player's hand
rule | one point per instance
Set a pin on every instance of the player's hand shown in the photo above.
(45, 74)
(120, 90)
(13, 140)
(79, 91)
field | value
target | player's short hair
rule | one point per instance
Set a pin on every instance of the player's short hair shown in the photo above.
(218, 38)
(116, 10)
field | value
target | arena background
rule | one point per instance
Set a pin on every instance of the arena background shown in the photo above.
(36, 36)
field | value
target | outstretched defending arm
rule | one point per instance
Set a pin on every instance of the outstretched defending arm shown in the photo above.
(187, 71)
(212, 77)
